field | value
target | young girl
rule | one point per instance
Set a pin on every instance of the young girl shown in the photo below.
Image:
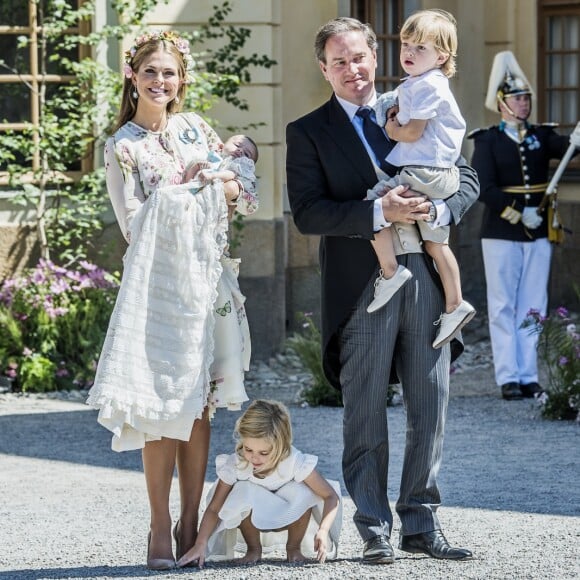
(264, 488)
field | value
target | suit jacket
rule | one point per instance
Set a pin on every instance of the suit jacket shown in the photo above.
(520, 168)
(328, 175)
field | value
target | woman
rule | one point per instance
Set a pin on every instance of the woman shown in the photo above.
(177, 343)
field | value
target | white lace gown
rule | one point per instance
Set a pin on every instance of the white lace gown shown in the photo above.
(178, 338)
(274, 502)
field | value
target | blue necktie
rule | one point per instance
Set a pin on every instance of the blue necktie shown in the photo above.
(375, 138)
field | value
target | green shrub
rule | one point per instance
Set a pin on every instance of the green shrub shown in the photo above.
(559, 349)
(54, 321)
(308, 347)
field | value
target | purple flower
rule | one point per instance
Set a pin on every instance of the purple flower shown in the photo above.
(59, 286)
(56, 312)
(87, 266)
(562, 312)
(563, 361)
(38, 277)
(10, 373)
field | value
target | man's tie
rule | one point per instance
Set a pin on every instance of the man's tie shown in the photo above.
(375, 138)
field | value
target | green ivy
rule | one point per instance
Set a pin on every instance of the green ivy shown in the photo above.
(75, 118)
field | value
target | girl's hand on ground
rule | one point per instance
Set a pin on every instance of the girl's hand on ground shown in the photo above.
(195, 554)
(320, 545)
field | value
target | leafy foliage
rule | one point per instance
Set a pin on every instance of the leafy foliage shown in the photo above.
(54, 321)
(559, 349)
(75, 116)
(308, 347)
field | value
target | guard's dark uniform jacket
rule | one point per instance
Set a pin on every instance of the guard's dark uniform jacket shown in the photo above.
(514, 175)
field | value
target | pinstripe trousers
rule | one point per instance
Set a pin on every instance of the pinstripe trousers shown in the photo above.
(400, 333)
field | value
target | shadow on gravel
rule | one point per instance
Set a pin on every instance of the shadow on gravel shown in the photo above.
(498, 455)
(73, 436)
(80, 572)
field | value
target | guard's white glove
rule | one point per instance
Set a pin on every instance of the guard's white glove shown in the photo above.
(530, 218)
(575, 136)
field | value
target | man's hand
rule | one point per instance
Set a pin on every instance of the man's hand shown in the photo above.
(400, 204)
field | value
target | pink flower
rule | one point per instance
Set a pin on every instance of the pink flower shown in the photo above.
(127, 71)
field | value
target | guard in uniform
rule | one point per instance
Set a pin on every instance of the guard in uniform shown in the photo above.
(512, 162)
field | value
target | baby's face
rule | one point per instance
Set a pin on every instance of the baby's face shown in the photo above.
(240, 146)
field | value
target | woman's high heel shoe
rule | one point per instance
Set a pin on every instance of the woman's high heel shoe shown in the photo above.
(178, 552)
(158, 563)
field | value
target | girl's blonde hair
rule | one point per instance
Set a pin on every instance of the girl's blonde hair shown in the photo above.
(436, 26)
(129, 102)
(268, 420)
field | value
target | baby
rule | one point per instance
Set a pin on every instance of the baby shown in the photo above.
(240, 154)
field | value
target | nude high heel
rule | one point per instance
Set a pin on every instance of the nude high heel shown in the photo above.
(158, 563)
(178, 552)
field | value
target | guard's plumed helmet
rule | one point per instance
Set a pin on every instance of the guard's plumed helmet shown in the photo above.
(506, 79)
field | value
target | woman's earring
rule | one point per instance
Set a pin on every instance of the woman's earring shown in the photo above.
(135, 94)
(176, 100)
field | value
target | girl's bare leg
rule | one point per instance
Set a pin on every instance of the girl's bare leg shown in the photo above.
(252, 538)
(296, 533)
(192, 459)
(158, 465)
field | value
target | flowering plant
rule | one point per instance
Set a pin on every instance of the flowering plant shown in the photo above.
(182, 45)
(53, 324)
(559, 349)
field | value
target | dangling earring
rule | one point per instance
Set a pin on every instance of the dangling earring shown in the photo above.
(135, 94)
(176, 100)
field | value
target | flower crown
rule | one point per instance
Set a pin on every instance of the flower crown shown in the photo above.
(180, 43)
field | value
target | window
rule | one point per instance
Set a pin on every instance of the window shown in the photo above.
(559, 62)
(386, 18)
(23, 70)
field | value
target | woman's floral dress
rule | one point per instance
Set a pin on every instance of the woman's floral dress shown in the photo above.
(178, 338)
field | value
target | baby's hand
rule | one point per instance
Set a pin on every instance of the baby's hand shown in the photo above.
(195, 554)
(320, 545)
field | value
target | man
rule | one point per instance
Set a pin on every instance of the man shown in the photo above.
(330, 167)
(512, 160)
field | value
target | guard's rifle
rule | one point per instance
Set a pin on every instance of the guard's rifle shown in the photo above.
(555, 228)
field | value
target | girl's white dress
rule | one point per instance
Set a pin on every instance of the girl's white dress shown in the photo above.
(274, 502)
(178, 339)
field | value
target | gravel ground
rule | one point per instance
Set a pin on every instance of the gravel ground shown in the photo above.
(72, 508)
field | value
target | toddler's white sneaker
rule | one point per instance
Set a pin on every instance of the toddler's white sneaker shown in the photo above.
(450, 324)
(386, 288)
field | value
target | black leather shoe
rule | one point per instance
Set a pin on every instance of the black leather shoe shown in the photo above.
(530, 390)
(378, 550)
(511, 391)
(433, 544)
